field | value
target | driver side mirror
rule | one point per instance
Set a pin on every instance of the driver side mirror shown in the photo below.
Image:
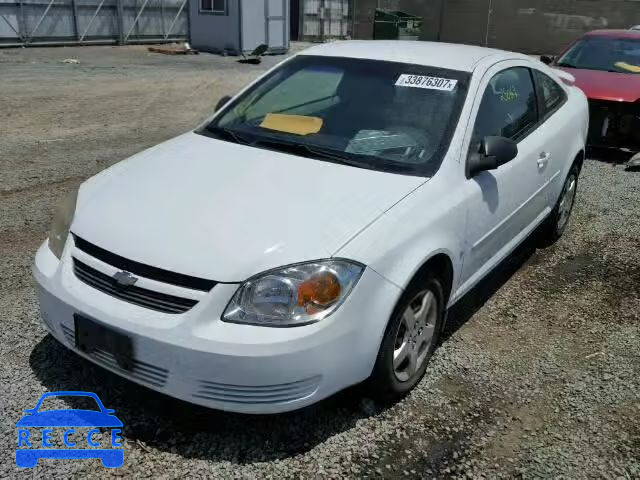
(222, 102)
(547, 59)
(494, 152)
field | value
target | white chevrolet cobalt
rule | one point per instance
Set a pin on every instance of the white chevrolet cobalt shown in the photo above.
(312, 233)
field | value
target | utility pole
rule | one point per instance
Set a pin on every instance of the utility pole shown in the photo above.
(489, 12)
(441, 19)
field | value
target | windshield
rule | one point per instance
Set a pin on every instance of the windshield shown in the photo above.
(607, 54)
(371, 114)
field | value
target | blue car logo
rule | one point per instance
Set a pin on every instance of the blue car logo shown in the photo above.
(29, 452)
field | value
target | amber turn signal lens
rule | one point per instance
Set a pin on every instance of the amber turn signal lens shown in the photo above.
(321, 290)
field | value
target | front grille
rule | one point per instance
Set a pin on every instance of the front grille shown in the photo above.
(69, 334)
(142, 270)
(265, 394)
(614, 124)
(141, 371)
(142, 297)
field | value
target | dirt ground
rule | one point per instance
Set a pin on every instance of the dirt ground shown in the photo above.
(538, 376)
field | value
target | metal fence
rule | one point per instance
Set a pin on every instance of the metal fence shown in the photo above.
(325, 19)
(77, 22)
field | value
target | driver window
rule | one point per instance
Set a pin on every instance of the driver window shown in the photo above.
(508, 107)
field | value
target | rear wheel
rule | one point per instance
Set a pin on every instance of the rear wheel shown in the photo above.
(410, 338)
(555, 225)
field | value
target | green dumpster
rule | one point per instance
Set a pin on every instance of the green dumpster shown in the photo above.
(396, 25)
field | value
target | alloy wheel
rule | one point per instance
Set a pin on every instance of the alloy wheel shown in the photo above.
(414, 336)
(566, 203)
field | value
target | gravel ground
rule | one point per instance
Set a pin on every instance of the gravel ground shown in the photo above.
(537, 376)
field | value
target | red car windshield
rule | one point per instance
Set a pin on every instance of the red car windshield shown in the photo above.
(621, 55)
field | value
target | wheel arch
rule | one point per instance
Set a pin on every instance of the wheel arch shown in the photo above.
(441, 265)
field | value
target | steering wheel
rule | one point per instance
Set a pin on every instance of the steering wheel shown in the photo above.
(423, 148)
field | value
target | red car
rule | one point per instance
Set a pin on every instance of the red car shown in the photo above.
(606, 66)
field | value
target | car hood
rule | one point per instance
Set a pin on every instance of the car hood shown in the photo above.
(597, 85)
(223, 211)
(69, 418)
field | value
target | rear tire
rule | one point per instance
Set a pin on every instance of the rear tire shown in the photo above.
(556, 223)
(410, 339)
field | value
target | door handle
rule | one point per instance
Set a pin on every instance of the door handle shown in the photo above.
(543, 159)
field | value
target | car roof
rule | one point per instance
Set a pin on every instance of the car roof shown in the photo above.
(434, 54)
(614, 34)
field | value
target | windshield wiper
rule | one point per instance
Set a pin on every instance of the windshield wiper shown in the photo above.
(361, 161)
(306, 150)
(229, 135)
(565, 64)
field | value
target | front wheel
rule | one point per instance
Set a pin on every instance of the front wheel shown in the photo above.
(410, 338)
(555, 225)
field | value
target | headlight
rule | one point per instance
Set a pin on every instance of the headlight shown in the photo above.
(61, 223)
(294, 295)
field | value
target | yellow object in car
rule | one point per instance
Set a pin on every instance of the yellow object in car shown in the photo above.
(296, 124)
(628, 66)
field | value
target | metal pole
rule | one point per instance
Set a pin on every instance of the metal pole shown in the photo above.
(22, 24)
(322, 14)
(74, 6)
(175, 19)
(352, 18)
(95, 14)
(44, 14)
(302, 5)
(486, 38)
(162, 16)
(441, 20)
(266, 23)
(120, 19)
(135, 22)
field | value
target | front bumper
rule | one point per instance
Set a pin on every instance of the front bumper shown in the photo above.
(614, 125)
(196, 357)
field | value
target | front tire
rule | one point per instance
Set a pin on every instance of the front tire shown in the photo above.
(555, 225)
(410, 338)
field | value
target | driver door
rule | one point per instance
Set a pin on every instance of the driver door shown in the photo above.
(503, 205)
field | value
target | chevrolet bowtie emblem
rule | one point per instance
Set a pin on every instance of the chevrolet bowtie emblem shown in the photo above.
(124, 279)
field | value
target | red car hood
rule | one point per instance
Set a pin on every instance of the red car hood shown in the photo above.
(597, 85)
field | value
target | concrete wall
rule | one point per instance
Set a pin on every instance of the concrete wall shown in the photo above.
(531, 26)
(215, 33)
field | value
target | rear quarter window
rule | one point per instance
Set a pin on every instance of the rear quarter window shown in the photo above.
(551, 95)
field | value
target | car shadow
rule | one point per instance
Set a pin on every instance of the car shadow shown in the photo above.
(154, 420)
(608, 155)
(472, 301)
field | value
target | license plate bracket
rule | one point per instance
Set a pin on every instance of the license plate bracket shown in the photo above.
(91, 336)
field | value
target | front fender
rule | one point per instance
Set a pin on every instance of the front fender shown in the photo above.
(429, 222)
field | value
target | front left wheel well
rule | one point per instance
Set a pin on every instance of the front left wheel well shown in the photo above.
(441, 266)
